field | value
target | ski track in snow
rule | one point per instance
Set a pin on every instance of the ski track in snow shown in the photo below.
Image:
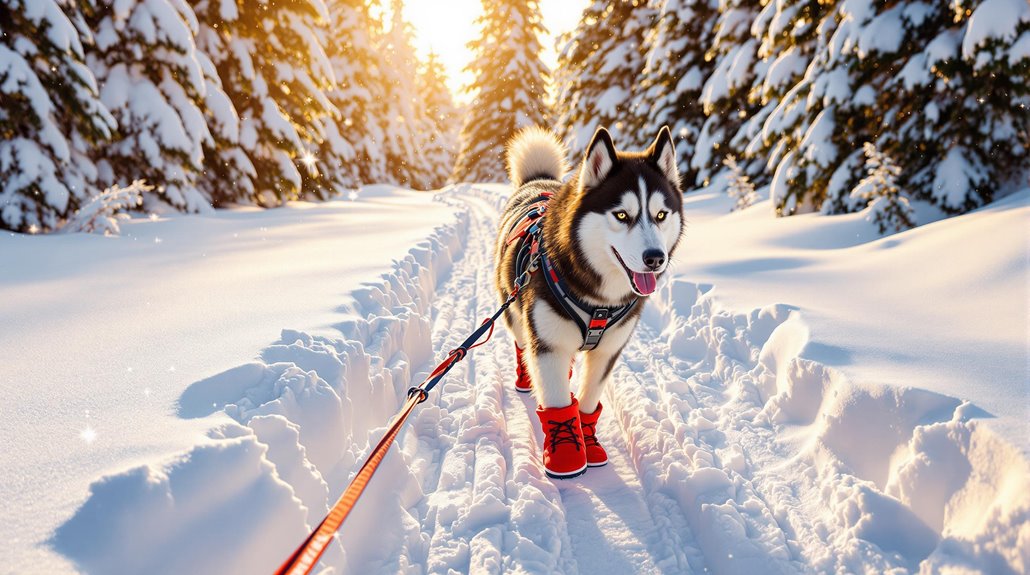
(727, 452)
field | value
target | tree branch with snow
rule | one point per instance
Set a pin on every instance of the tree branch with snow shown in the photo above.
(888, 207)
(102, 214)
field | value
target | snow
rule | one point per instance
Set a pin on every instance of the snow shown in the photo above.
(803, 395)
(107, 332)
(884, 34)
(993, 19)
(785, 70)
(888, 310)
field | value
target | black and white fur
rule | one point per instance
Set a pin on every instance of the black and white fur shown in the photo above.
(582, 232)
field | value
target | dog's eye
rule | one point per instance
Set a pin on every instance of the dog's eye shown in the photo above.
(660, 216)
(621, 216)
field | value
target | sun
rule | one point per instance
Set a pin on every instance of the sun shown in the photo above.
(447, 32)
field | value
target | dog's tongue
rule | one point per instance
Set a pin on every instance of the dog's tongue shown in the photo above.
(644, 282)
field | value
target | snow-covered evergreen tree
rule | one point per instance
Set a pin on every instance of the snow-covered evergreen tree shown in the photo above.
(355, 60)
(900, 75)
(793, 34)
(739, 186)
(677, 68)
(101, 214)
(510, 88)
(50, 114)
(888, 208)
(228, 175)
(151, 80)
(727, 96)
(440, 142)
(956, 115)
(599, 75)
(404, 118)
(274, 69)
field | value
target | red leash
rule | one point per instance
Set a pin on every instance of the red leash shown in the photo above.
(307, 555)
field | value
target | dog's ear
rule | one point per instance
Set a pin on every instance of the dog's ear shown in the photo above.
(663, 153)
(599, 161)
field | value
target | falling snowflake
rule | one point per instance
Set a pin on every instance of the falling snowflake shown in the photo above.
(352, 195)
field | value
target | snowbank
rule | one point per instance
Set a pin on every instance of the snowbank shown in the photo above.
(102, 335)
(941, 307)
(859, 477)
(878, 412)
(303, 414)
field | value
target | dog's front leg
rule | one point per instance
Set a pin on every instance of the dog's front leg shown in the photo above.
(554, 341)
(596, 366)
(550, 371)
(553, 344)
(598, 363)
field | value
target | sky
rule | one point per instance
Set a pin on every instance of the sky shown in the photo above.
(447, 27)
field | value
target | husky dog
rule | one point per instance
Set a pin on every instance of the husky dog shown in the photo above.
(603, 239)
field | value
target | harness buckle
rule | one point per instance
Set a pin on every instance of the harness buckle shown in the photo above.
(595, 329)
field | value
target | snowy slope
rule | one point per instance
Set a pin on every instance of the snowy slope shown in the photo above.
(942, 307)
(744, 435)
(100, 336)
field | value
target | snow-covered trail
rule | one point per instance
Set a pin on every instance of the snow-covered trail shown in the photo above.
(487, 501)
(724, 455)
(728, 452)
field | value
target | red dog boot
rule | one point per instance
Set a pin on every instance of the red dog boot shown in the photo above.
(522, 382)
(564, 451)
(596, 455)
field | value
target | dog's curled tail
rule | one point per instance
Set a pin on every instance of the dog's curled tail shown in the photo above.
(534, 154)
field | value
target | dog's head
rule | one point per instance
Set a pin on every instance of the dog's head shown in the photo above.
(630, 212)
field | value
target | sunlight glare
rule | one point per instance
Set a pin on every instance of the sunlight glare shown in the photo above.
(447, 32)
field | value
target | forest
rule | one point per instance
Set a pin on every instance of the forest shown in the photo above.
(829, 106)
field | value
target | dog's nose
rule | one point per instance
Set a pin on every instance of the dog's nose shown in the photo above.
(654, 259)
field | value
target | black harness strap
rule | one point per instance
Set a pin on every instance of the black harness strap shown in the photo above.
(527, 231)
(601, 318)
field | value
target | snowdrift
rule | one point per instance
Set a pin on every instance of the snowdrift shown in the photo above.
(302, 418)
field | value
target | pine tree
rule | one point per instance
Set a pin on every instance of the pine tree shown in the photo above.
(793, 33)
(677, 69)
(956, 114)
(405, 121)
(727, 98)
(441, 140)
(50, 114)
(229, 175)
(900, 75)
(151, 81)
(739, 186)
(510, 88)
(888, 208)
(599, 79)
(352, 52)
(274, 70)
